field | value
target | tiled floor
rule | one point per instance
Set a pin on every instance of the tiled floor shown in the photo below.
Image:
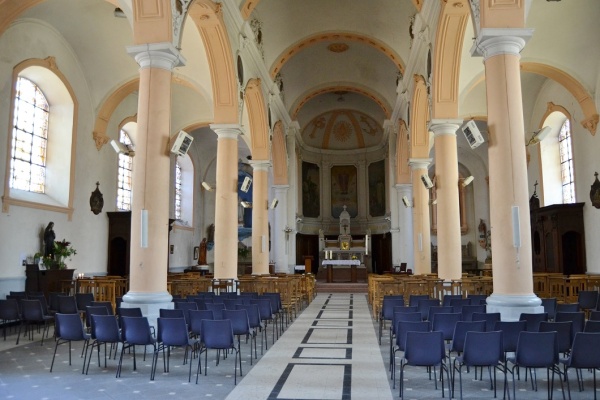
(329, 352)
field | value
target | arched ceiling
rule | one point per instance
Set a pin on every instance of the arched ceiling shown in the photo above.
(337, 65)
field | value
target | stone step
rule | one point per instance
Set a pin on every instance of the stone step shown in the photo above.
(341, 287)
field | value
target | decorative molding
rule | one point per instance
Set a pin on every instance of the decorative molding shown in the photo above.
(256, 26)
(294, 49)
(178, 10)
(248, 7)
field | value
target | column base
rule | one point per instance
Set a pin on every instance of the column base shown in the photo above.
(510, 307)
(149, 303)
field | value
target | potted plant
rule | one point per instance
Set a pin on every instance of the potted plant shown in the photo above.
(62, 250)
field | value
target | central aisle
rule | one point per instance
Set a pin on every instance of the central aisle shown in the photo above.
(329, 352)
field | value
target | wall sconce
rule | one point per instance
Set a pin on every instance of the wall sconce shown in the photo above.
(274, 203)
(406, 202)
(467, 181)
(539, 135)
(246, 204)
(207, 186)
(246, 184)
(426, 181)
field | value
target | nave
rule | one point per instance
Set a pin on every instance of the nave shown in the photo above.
(329, 352)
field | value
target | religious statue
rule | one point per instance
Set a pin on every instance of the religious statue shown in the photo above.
(49, 237)
(202, 253)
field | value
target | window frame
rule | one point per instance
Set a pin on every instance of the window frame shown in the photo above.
(61, 147)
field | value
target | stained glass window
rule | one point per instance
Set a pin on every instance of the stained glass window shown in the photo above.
(566, 163)
(125, 175)
(30, 138)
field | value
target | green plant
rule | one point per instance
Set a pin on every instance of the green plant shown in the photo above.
(62, 250)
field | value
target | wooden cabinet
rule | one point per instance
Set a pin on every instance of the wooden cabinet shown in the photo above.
(558, 239)
(119, 242)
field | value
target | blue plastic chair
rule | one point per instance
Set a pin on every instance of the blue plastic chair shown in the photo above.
(414, 299)
(533, 320)
(173, 332)
(592, 326)
(563, 331)
(401, 329)
(438, 310)
(387, 310)
(424, 305)
(105, 330)
(585, 354)
(445, 323)
(136, 332)
(489, 318)
(577, 319)
(33, 314)
(241, 326)
(216, 308)
(217, 334)
(9, 313)
(477, 298)
(480, 349)
(266, 315)
(536, 350)
(68, 328)
(468, 311)
(255, 323)
(447, 300)
(424, 349)
(549, 305)
(186, 306)
(567, 307)
(460, 332)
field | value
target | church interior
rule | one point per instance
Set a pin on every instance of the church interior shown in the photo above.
(341, 140)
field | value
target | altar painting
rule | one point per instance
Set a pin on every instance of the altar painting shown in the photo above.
(344, 190)
(311, 189)
(377, 189)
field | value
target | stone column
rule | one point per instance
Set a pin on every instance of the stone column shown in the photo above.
(151, 179)
(294, 197)
(421, 232)
(226, 201)
(402, 234)
(509, 202)
(448, 210)
(260, 217)
(279, 234)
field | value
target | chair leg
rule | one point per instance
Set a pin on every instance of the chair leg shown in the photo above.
(55, 347)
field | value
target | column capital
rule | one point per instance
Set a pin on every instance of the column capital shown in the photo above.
(226, 131)
(157, 55)
(403, 188)
(444, 126)
(281, 188)
(260, 165)
(419, 163)
(496, 41)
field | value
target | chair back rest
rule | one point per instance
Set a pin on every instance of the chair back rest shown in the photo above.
(567, 307)
(482, 348)
(468, 311)
(414, 299)
(438, 310)
(94, 310)
(460, 332)
(196, 317)
(595, 315)
(510, 333)
(172, 331)
(489, 318)
(533, 320)
(588, 299)
(106, 304)
(537, 349)
(67, 305)
(403, 327)
(130, 312)
(231, 304)
(445, 323)
(105, 328)
(217, 334)
(586, 350)
(549, 305)
(407, 317)
(387, 308)
(253, 314)
(458, 304)
(239, 321)
(477, 298)
(9, 310)
(592, 326)
(563, 331)
(424, 348)
(446, 301)
(68, 327)
(264, 308)
(42, 299)
(217, 309)
(577, 318)
(171, 313)
(32, 310)
(406, 309)
(424, 305)
(136, 330)
(83, 300)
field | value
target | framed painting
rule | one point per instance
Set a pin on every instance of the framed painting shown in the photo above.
(344, 190)
(311, 190)
(377, 193)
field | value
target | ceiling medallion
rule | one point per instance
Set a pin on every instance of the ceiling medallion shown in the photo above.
(342, 131)
(337, 47)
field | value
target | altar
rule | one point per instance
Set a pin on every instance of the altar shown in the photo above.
(331, 264)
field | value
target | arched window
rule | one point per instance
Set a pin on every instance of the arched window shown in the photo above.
(177, 190)
(183, 191)
(42, 132)
(30, 138)
(566, 163)
(124, 188)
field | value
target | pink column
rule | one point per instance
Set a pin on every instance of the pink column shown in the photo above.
(226, 201)
(448, 222)
(421, 220)
(509, 202)
(151, 179)
(260, 218)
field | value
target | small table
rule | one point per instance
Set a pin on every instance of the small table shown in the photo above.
(329, 264)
